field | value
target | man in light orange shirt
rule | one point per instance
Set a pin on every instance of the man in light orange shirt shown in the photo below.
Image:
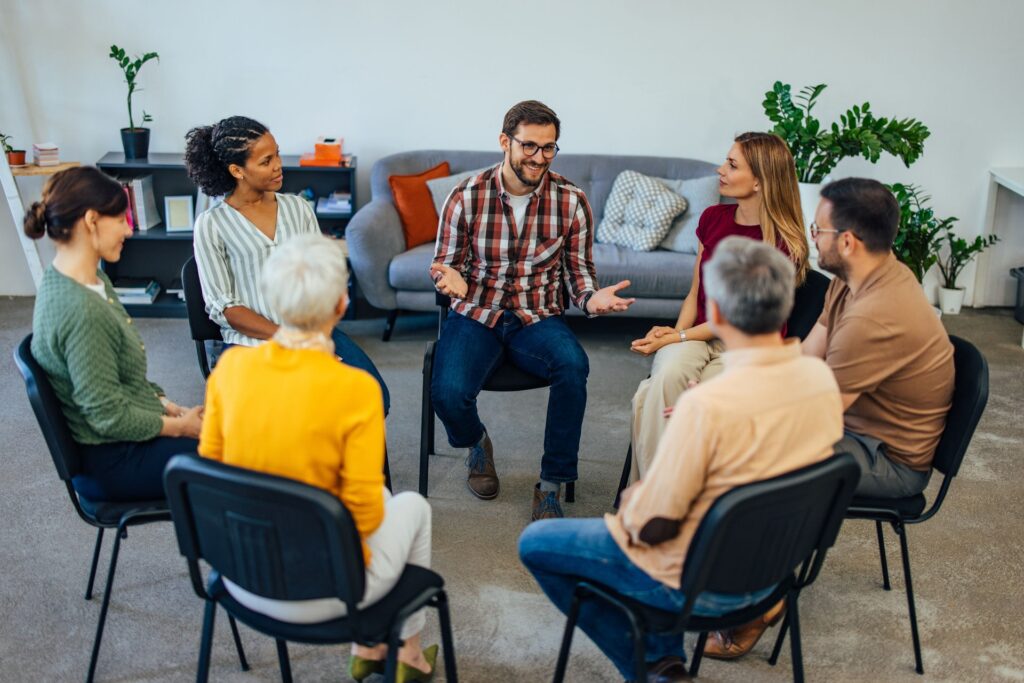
(732, 430)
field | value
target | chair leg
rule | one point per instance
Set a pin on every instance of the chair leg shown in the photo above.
(105, 605)
(698, 653)
(242, 661)
(639, 660)
(881, 554)
(426, 419)
(570, 492)
(95, 561)
(389, 326)
(570, 627)
(204, 358)
(794, 639)
(391, 661)
(387, 470)
(624, 477)
(282, 659)
(779, 640)
(902, 531)
(206, 642)
(450, 671)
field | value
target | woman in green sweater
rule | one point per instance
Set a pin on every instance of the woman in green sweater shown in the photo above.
(126, 428)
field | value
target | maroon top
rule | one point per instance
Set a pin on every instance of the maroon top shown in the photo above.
(715, 224)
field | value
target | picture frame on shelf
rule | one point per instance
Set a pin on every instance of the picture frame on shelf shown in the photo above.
(178, 213)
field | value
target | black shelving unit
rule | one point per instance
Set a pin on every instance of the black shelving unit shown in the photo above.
(159, 255)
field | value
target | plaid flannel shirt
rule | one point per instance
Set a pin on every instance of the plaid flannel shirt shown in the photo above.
(517, 268)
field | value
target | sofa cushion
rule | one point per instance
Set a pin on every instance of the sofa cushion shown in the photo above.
(440, 188)
(700, 193)
(639, 212)
(415, 207)
(411, 269)
(656, 274)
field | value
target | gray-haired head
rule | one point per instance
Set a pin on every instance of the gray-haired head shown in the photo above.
(752, 283)
(304, 279)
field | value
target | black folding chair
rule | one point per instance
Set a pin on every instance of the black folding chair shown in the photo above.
(808, 302)
(970, 394)
(769, 533)
(507, 377)
(285, 540)
(202, 328)
(101, 514)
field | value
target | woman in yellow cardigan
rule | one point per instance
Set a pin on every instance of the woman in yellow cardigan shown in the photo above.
(327, 430)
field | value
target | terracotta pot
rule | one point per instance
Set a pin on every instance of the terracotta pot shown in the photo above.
(16, 158)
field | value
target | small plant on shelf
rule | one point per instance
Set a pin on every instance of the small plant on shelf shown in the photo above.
(135, 139)
(15, 157)
(817, 149)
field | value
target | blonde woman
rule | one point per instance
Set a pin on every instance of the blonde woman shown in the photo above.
(291, 408)
(760, 175)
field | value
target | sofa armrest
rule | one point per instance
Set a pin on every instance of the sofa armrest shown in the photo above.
(374, 237)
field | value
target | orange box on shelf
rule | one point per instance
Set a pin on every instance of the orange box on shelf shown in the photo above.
(328, 148)
(312, 160)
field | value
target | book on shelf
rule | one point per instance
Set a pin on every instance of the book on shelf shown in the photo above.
(146, 214)
(338, 203)
(132, 285)
(45, 154)
(136, 295)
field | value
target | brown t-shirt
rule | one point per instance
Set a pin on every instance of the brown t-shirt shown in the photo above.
(886, 344)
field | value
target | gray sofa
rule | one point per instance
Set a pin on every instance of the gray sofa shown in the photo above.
(393, 278)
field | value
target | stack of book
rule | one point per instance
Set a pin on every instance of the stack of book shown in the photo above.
(45, 154)
(142, 211)
(337, 205)
(136, 290)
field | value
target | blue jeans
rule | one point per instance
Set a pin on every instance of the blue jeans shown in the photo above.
(128, 470)
(354, 356)
(560, 552)
(468, 352)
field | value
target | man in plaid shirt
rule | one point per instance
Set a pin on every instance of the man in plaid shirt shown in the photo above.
(508, 240)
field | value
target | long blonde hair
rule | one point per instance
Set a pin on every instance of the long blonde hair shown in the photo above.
(781, 217)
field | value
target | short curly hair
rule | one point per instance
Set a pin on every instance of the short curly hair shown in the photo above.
(209, 150)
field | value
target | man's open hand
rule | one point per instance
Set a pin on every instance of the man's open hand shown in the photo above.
(448, 281)
(607, 300)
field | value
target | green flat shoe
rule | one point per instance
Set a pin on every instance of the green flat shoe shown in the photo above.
(407, 674)
(359, 668)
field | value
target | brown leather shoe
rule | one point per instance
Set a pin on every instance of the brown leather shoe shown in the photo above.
(482, 478)
(545, 504)
(668, 670)
(739, 641)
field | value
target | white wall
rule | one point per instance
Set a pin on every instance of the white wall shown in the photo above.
(661, 77)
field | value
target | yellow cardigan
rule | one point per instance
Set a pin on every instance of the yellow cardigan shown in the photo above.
(301, 414)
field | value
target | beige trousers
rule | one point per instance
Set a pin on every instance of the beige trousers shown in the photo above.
(675, 366)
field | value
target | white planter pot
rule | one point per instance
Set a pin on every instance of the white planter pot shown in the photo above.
(950, 300)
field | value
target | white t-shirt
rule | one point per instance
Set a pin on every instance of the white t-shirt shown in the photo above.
(519, 204)
(98, 288)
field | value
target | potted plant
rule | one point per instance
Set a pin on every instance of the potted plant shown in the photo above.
(15, 157)
(818, 148)
(960, 252)
(135, 140)
(919, 237)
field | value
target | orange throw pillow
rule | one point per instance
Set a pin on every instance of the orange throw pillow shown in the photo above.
(415, 205)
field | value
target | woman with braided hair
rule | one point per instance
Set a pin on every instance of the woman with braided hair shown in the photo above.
(238, 158)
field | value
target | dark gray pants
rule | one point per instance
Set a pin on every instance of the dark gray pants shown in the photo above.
(880, 476)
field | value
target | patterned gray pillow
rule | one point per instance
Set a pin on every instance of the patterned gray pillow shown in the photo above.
(639, 212)
(700, 193)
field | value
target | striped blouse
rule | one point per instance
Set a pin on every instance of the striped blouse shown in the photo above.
(230, 253)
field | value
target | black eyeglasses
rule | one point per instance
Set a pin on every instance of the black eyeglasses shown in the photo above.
(530, 148)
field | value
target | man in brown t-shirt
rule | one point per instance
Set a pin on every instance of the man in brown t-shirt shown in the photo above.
(890, 354)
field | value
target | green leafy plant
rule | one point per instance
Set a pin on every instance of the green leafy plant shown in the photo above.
(131, 68)
(817, 148)
(920, 235)
(960, 253)
(4, 141)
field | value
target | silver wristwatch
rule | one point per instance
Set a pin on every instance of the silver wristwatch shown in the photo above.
(682, 335)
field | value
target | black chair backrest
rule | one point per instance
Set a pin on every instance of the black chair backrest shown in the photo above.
(276, 537)
(756, 535)
(199, 323)
(808, 302)
(49, 413)
(970, 395)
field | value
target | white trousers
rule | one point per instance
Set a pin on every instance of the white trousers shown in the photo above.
(674, 367)
(402, 538)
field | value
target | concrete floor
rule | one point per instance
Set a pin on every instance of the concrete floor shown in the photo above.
(968, 562)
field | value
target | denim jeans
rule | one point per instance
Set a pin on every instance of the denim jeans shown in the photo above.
(468, 352)
(352, 355)
(560, 552)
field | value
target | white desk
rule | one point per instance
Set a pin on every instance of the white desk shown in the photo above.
(1013, 180)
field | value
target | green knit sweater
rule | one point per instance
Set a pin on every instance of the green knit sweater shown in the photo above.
(96, 362)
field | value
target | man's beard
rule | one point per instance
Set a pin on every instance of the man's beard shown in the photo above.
(832, 262)
(517, 168)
